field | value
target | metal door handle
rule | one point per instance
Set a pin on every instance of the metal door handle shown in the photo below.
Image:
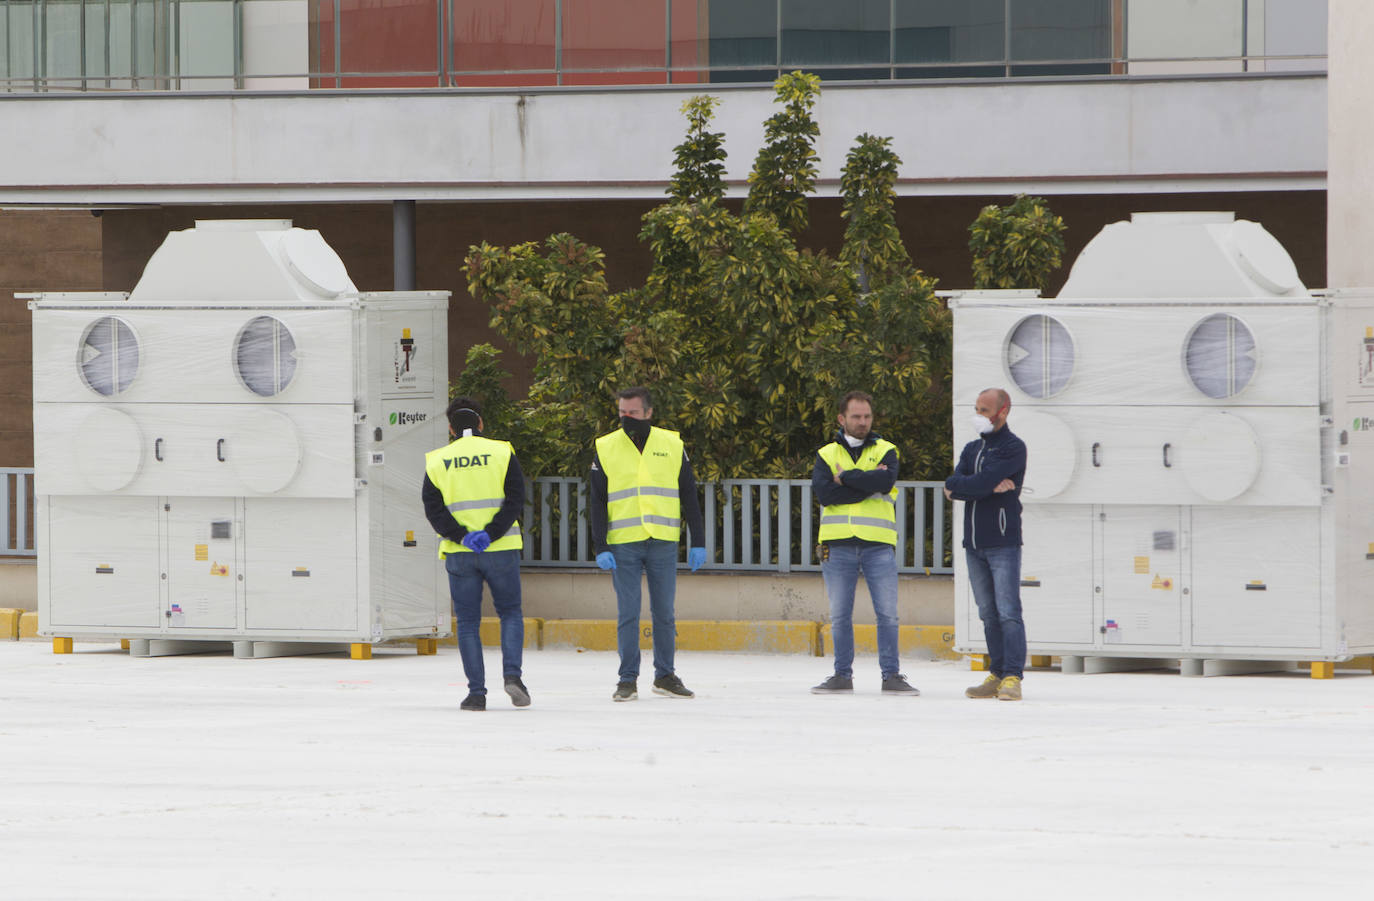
(1097, 446)
(1167, 464)
(219, 450)
(157, 449)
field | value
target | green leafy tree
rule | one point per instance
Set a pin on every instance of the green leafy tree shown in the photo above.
(746, 339)
(1016, 246)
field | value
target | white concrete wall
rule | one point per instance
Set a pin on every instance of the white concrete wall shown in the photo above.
(1350, 192)
(1055, 136)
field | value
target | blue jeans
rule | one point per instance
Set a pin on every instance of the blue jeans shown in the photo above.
(994, 574)
(501, 571)
(657, 560)
(878, 563)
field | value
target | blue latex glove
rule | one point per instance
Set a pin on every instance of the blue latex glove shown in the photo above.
(695, 557)
(605, 560)
(477, 541)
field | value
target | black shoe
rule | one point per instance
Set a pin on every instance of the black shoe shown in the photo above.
(896, 684)
(474, 702)
(625, 691)
(835, 685)
(519, 694)
(670, 686)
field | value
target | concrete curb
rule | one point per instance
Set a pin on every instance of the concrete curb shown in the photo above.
(930, 642)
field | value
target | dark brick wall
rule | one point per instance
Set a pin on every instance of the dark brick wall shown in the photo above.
(71, 251)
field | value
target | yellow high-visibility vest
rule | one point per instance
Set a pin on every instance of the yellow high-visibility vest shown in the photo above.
(471, 475)
(871, 519)
(641, 488)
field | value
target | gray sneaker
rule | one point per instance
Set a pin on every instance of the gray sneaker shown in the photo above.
(519, 694)
(896, 684)
(625, 691)
(671, 686)
(835, 685)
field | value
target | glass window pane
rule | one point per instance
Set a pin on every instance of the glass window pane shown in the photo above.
(97, 66)
(819, 33)
(205, 47)
(688, 46)
(1293, 28)
(1184, 36)
(62, 43)
(276, 44)
(19, 58)
(398, 39)
(493, 36)
(611, 35)
(1061, 29)
(121, 41)
(949, 31)
(744, 34)
(1040, 355)
(109, 356)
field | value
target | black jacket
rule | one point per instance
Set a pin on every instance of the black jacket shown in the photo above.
(856, 484)
(990, 520)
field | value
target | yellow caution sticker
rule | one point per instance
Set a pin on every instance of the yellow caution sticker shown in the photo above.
(410, 538)
(1163, 583)
(1142, 566)
(202, 552)
(217, 569)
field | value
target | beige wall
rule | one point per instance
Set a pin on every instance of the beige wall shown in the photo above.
(1350, 174)
(18, 585)
(587, 594)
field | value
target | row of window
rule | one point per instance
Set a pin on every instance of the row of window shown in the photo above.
(220, 44)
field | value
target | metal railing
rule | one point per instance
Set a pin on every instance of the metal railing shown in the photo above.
(16, 500)
(759, 525)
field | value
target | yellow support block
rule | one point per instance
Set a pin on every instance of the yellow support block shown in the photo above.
(9, 623)
(978, 662)
(426, 647)
(61, 645)
(360, 651)
(766, 636)
(1323, 669)
(490, 630)
(124, 644)
(590, 634)
(1041, 660)
(28, 624)
(933, 642)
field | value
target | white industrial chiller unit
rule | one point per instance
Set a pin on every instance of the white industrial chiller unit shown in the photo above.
(1200, 432)
(233, 451)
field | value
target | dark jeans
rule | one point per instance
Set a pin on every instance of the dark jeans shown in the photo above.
(656, 560)
(994, 575)
(501, 571)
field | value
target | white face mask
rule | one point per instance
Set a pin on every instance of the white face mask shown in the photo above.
(981, 424)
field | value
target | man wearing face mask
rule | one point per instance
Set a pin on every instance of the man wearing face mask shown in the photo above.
(988, 480)
(473, 492)
(642, 488)
(854, 479)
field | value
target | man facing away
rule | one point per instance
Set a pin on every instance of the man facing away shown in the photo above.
(988, 480)
(854, 479)
(642, 487)
(473, 492)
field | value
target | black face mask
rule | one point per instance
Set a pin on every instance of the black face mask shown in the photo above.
(635, 428)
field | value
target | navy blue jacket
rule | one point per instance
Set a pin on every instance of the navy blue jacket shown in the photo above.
(990, 520)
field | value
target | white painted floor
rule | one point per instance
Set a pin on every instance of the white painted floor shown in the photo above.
(208, 777)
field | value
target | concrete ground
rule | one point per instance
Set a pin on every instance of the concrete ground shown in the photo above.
(208, 777)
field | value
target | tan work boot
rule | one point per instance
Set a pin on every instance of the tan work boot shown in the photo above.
(987, 690)
(1010, 689)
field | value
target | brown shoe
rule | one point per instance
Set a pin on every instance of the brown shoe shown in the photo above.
(1010, 689)
(986, 690)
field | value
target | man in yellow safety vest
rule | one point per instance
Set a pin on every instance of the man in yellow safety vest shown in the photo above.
(642, 488)
(473, 492)
(854, 478)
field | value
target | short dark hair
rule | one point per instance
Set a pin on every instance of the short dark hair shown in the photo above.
(464, 413)
(638, 391)
(854, 395)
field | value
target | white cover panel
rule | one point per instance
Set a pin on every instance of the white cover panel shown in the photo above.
(102, 556)
(205, 449)
(1142, 566)
(109, 448)
(1057, 575)
(1256, 586)
(1138, 354)
(1221, 455)
(191, 355)
(202, 588)
(1051, 468)
(301, 566)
